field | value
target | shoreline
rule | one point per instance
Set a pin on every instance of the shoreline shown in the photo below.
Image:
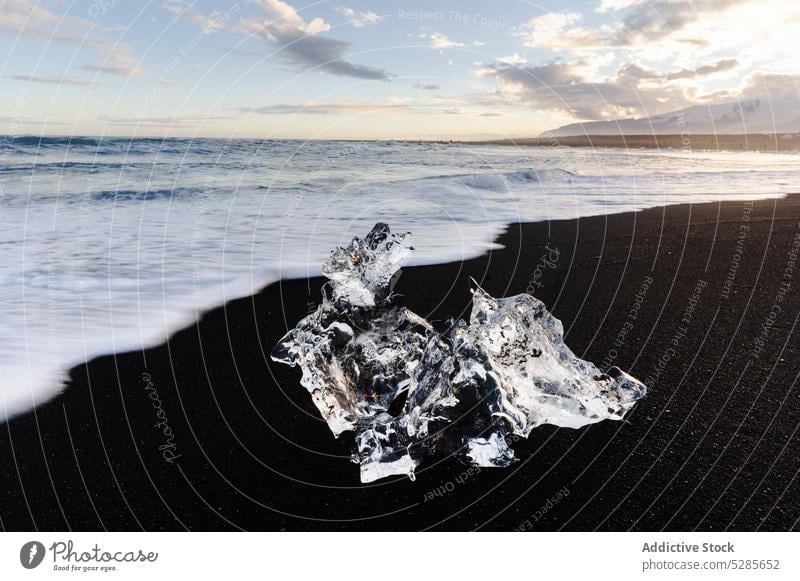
(235, 442)
(755, 142)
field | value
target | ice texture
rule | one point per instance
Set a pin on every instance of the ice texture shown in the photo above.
(468, 390)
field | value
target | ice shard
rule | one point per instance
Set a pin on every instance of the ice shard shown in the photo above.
(467, 390)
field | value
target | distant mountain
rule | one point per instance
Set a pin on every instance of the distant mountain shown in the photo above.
(762, 115)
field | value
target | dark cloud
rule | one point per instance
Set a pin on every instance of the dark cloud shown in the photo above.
(317, 52)
(121, 69)
(719, 67)
(633, 73)
(555, 73)
(292, 39)
(52, 80)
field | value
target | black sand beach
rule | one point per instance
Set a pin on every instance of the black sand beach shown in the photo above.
(205, 432)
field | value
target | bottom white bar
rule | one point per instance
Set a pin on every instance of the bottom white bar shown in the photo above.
(389, 556)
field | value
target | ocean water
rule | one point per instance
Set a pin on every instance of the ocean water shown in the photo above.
(110, 245)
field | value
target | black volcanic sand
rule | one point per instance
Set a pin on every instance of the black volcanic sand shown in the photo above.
(713, 446)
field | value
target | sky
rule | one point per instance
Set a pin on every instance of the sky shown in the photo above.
(368, 69)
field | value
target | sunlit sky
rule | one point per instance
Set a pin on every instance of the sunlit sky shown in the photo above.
(367, 69)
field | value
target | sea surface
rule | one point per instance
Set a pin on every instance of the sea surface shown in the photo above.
(112, 244)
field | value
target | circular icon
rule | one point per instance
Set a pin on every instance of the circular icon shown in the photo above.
(31, 554)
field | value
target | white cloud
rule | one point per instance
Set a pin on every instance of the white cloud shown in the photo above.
(514, 60)
(284, 14)
(359, 19)
(678, 25)
(439, 40)
(547, 30)
(616, 5)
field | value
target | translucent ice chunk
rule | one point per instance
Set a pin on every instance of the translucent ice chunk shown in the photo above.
(354, 364)
(543, 381)
(467, 390)
(382, 450)
(491, 451)
(363, 270)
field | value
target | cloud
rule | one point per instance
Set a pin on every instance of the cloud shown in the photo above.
(359, 19)
(720, 67)
(353, 107)
(565, 86)
(657, 19)
(439, 40)
(549, 30)
(12, 122)
(575, 88)
(174, 121)
(120, 63)
(513, 59)
(635, 72)
(361, 107)
(642, 22)
(772, 86)
(295, 40)
(430, 87)
(53, 80)
(28, 19)
(664, 53)
(615, 5)
(320, 53)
